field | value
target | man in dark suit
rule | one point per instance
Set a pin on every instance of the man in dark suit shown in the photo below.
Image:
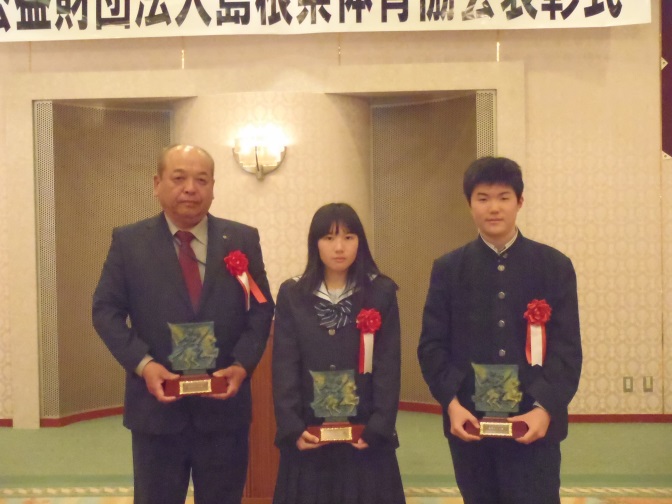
(144, 281)
(474, 314)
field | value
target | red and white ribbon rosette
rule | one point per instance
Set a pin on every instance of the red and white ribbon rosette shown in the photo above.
(537, 314)
(236, 262)
(368, 322)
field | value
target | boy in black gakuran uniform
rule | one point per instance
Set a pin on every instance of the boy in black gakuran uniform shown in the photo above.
(474, 314)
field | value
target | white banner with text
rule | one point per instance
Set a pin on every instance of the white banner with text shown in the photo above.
(36, 20)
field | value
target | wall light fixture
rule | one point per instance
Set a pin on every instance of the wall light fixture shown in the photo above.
(260, 150)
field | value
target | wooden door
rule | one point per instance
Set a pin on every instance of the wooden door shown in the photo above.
(264, 456)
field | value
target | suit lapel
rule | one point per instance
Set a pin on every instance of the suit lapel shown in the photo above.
(219, 245)
(164, 249)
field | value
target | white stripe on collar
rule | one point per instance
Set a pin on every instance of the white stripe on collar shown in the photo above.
(506, 247)
(323, 293)
(334, 297)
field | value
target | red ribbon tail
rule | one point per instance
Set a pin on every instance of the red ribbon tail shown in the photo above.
(256, 291)
(528, 345)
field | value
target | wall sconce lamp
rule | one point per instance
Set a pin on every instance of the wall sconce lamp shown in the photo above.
(259, 150)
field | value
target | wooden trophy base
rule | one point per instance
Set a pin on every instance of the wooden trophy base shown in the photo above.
(337, 432)
(497, 427)
(199, 384)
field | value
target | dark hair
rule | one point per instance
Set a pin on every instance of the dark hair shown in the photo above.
(161, 164)
(493, 170)
(324, 220)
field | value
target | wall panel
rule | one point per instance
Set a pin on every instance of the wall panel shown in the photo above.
(94, 172)
(420, 152)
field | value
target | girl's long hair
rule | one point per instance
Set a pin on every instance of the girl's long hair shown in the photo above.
(330, 218)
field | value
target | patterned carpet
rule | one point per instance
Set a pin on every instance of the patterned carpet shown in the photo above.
(48, 499)
(89, 463)
(415, 495)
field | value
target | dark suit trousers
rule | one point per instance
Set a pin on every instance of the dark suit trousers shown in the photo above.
(216, 461)
(503, 471)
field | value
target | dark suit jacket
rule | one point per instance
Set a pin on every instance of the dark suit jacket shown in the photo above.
(142, 280)
(301, 345)
(474, 314)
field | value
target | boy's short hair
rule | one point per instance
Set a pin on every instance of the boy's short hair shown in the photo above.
(493, 170)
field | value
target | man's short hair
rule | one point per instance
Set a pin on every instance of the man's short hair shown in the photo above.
(161, 165)
(493, 170)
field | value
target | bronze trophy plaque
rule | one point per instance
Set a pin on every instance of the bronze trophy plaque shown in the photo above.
(497, 394)
(194, 351)
(335, 399)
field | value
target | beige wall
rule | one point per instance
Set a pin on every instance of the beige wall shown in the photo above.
(590, 151)
(594, 175)
(667, 280)
(5, 357)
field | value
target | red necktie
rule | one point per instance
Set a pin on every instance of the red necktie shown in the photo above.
(189, 264)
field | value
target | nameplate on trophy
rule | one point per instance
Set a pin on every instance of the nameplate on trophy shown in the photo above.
(497, 428)
(335, 432)
(196, 387)
(200, 384)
